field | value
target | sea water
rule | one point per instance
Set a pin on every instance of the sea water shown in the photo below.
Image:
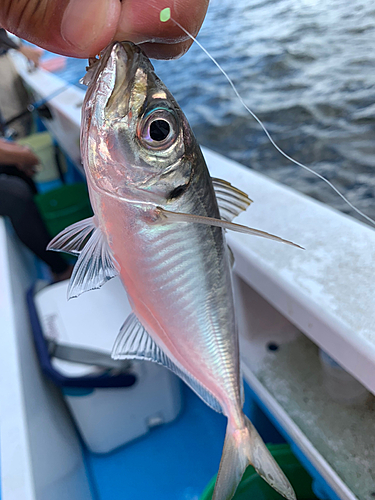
(307, 69)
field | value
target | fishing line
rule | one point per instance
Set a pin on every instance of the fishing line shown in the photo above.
(165, 15)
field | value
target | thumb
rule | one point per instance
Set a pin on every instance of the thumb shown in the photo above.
(78, 28)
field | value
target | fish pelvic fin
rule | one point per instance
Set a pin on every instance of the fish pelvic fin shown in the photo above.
(243, 447)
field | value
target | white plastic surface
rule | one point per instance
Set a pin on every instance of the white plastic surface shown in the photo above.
(340, 385)
(327, 290)
(259, 326)
(111, 417)
(107, 418)
(40, 453)
(93, 319)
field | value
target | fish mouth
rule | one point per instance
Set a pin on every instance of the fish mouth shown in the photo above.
(112, 75)
(116, 53)
(122, 57)
(130, 49)
(119, 51)
(126, 63)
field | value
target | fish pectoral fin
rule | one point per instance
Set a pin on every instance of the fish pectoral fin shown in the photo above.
(95, 264)
(133, 342)
(73, 238)
(231, 200)
(167, 216)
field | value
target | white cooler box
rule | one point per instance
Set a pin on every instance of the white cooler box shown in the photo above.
(112, 402)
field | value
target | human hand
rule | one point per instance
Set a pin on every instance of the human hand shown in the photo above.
(12, 153)
(33, 54)
(27, 160)
(82, 28)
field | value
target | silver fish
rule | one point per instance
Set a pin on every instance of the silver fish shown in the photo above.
(159, 220)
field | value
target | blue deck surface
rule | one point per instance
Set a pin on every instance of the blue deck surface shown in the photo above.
(172, 462)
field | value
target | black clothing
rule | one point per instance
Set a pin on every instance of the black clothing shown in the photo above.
(17, 202)
(12, 170)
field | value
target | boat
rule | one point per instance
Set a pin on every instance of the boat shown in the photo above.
(294, 307)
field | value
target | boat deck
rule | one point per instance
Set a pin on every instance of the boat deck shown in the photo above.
(343, 434)
(173, 462)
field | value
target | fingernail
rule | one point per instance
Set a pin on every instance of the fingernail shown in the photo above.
(83, 21)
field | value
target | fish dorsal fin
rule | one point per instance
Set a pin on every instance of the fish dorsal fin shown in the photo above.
(169, 217)
(95, 264)
(231, 200)
(133, 342)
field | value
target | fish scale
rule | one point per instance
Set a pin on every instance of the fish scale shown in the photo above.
(191, 276)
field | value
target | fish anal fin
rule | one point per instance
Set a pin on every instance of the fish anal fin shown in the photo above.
(133, 342)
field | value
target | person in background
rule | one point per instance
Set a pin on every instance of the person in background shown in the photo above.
(17, 165)
(13, 96)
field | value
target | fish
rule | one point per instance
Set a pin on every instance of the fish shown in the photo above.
(159, 223)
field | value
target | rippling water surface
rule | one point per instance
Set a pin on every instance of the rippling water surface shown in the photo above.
(307, 68)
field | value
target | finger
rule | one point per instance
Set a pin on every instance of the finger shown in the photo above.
(30, 172)
(165, 50)
(82, 28)
(79, 28)
(140, 23)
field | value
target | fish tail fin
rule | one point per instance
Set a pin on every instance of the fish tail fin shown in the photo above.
(243, 447)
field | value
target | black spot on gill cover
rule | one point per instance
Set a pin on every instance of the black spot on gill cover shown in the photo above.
(178, 191)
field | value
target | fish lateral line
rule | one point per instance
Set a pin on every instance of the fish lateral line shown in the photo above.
(169, 217)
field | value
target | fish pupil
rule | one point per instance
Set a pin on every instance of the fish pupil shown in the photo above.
(159, 130)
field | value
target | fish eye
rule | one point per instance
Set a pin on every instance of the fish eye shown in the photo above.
(157, 129)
